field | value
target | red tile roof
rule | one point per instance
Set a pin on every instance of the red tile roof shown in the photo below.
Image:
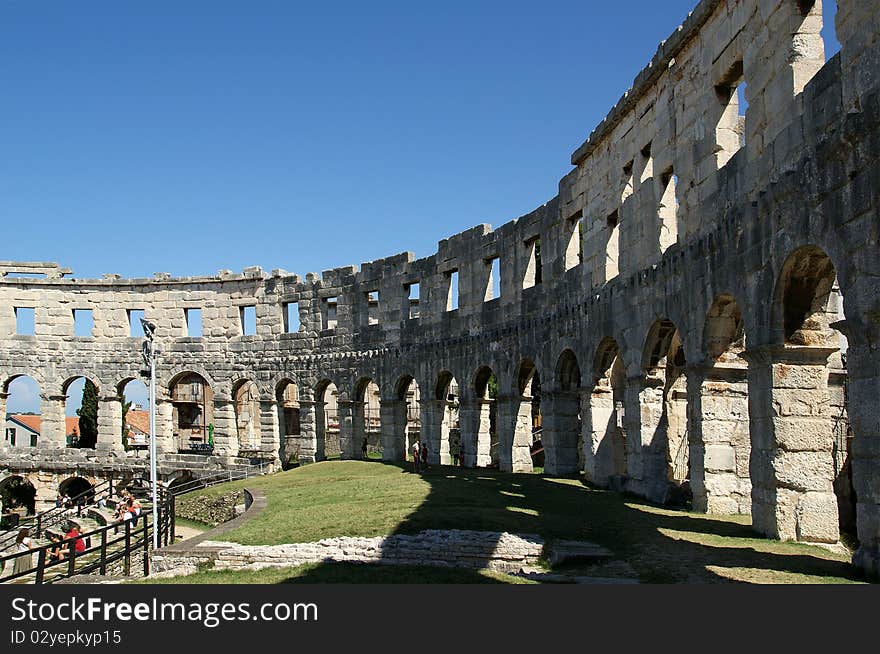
(139, 421)
(33, 423)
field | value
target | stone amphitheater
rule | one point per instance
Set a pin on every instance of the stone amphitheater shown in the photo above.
(696, 312)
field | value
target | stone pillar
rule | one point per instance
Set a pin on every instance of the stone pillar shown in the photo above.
(598, 440)
(474, 421)
(792, 439)
(225, 429)
(560, 411)
(3, 398)
(637, 468)
(858, 30)
(165, 427)
(648, 469)
(109, 424)
(52, 422)
(514, 425)
(719, 447)
(358, 430)
(349, 442)
(863, 368)
(392, 414)
(435, 431)
(308, 439)
(270, 437)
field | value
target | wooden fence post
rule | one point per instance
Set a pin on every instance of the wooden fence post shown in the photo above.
(127, 566)
(104, 551)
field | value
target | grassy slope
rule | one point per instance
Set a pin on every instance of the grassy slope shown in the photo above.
(661, 545)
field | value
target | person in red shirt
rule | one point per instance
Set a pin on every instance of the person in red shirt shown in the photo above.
(80, 545)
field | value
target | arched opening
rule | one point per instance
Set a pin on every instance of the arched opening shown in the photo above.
(327, 421)
(247, 416)
(192, 414)
(720, 446)
(410, 422)
(367, 421)
(134, 396)
(482, 449)
(562, 437)
(527, 427)
(606, 453)
(289, 427)
(19, 497)
(447, 406)
(810, 422)
(664, 416)
(78, 489)
(80, 412)
(20, 407)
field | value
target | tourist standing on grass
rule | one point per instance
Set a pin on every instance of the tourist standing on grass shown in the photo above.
(423, 452)
(415, 450)
(23, 543)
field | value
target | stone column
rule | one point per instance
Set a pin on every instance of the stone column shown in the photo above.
(474, 423)
(435, 431)
(270, 437)
(3, 398)
(589, 440)
(649, 426)
(109, 424)
(164, 427)
(225, 430)
(598, 449)
(358, 429)
(349, 442)
(560, 414)
(308, 439)
(638, 468)
(792, 439)
(719, 445)
(52, 422)
(514, 425)
(863, 368)
(393, 417)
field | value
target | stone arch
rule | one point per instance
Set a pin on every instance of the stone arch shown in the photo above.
(562, 438)
(246, 403)
(18, 494)
(720, 445)
(366, 420)
(23, 393)
(663, 415)
(327, 426)
(135, 422)
(800, 385)
(403, 415)
(192, 415)
(292, 444)
(80, 430)
(80, 489)
(520, 420)
(606, 447)
(442, 424)
(178, 372)
(479, 420)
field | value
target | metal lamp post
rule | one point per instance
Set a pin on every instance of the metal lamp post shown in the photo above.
(150, 352)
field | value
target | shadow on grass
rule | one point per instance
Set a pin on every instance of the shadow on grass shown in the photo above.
(662, 545)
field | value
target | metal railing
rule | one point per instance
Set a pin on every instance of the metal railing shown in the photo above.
(243, 472)
(108, 549)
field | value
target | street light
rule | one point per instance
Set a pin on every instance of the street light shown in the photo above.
(150, 352)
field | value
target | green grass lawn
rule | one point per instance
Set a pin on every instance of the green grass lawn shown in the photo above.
(358, 498)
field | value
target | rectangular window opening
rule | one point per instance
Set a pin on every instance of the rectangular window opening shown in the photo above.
(647, 164)
(627, 183)
(193, 322)
(248, 316)
(290, 312)
(83, 322)
(413, 291)
(24, 321)
(330, 309)
(372, 300)
(668, 210)
(534, 272)
(574, 252)
(452, 294)
(134, 322)
(730, 133)
(493, 284)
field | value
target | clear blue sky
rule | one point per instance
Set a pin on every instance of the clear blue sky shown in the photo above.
(192, 136)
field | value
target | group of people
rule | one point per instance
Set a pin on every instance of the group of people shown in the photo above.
(60, 547)
(420, 457)
(128, 509)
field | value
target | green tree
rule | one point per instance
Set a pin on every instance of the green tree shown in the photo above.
(88, 416)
